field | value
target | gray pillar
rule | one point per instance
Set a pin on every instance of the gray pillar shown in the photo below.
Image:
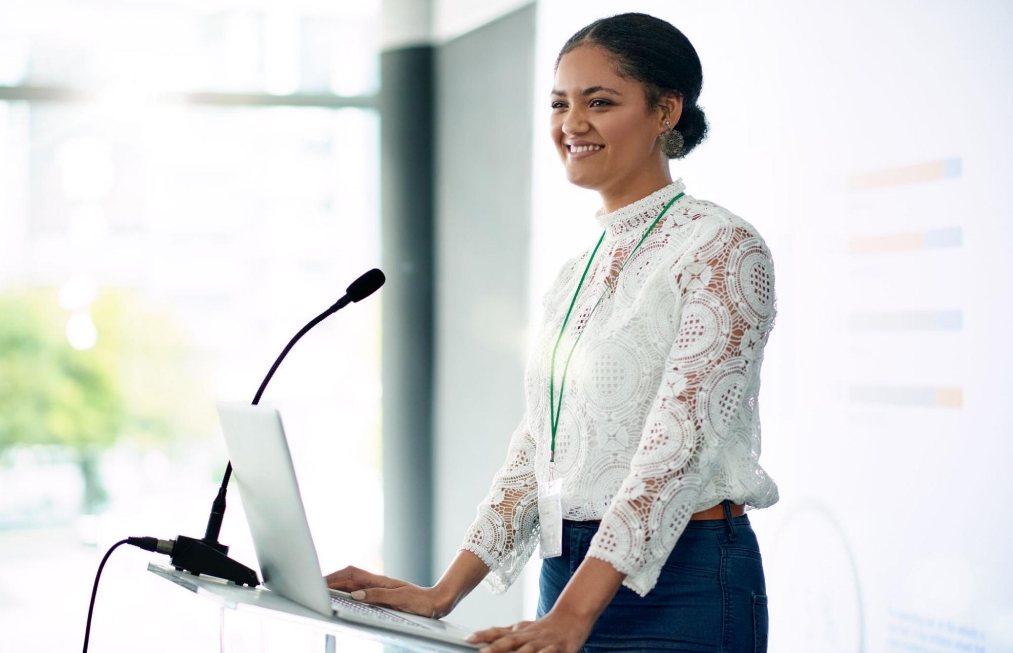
(406, 187)
(483, 225)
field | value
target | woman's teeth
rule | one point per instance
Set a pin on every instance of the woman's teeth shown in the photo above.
(585, 148)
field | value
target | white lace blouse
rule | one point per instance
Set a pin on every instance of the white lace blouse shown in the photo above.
(659, 416)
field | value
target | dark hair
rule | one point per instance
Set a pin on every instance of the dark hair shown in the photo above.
(655, 53)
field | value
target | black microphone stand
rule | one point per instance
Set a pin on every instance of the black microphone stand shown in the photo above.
(207, 555)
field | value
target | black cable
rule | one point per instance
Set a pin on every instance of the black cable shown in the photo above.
(146, 543)
(94, 590)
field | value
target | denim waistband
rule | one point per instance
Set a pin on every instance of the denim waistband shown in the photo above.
(693, 523)
(727, 521)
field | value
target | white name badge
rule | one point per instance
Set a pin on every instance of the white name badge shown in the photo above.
(550, 518)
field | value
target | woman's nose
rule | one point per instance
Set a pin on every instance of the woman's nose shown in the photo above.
(574, 122)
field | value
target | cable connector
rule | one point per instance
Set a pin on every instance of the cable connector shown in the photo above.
(152, 544)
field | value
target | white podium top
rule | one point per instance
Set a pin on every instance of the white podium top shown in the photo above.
(262, 600)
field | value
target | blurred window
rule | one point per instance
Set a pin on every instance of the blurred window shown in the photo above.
(183, 185)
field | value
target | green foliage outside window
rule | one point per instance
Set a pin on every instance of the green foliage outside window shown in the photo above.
(138, 381)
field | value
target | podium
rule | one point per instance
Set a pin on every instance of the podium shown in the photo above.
(262, 603)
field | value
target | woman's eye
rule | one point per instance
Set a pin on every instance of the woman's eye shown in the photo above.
(598, 102)
(557, 105)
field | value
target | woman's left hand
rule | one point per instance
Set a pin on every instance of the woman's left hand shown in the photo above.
(553, 633)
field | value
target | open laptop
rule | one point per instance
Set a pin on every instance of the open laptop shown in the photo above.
(262, 468)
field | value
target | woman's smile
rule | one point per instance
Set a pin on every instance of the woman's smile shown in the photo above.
(577, 150)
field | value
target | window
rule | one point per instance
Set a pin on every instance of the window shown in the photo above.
(183, 185)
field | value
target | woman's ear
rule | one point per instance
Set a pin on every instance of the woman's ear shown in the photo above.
(671, 110)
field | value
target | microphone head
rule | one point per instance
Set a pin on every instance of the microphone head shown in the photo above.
(365, 285)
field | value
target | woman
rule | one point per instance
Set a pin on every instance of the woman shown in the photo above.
(641, 389)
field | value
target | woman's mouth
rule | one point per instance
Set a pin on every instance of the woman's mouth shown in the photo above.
(583, 151)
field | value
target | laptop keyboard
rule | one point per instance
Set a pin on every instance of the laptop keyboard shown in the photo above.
(367, 610)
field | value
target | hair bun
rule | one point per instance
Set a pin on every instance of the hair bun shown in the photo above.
(693, 126)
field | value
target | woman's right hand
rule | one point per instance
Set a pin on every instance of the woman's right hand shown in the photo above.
(389, 592)
(464, 573)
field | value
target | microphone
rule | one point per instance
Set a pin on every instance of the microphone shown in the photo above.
(364, 286)
(207, 555)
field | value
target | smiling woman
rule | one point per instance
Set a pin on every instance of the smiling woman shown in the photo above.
(637, 454)
(605, 132)
(612, 96)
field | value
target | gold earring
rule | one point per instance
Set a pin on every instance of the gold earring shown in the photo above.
(672, 142)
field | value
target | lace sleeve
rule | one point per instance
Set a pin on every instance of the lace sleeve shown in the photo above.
(725, 314)
(506, 530)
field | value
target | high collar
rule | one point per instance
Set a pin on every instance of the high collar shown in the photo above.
(638, 214)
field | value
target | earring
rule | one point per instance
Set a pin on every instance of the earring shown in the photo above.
(672, 142)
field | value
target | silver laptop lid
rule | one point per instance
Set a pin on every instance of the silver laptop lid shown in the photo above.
(263, 471)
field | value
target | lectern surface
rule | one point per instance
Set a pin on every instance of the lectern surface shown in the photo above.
(269, 604)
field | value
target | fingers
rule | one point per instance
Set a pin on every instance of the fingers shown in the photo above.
(532, 647)
(350, 579)
(352, 584)
(401, 598)
(509, 642)
(519, 638)
(340, 576)
(378, 596)
(489, 634)
(345, 585)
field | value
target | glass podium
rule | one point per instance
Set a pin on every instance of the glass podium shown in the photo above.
(243, 612)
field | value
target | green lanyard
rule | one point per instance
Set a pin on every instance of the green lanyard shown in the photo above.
(554, 408)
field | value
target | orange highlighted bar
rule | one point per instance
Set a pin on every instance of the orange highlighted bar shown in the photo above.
(907, 396)
(930, 171)
(932, 239)
(950, 397)
(890, 243)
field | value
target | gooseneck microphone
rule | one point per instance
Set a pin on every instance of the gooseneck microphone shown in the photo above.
(208, 556)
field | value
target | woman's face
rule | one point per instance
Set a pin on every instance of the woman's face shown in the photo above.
(601, 125)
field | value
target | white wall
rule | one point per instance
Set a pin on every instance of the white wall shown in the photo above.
(886, 379)
(415, 22)
(452, 18)
(405, 23)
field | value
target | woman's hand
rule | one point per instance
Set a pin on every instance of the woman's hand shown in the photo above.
(556, 632)
(464, 573)
(392, 593)
(568, 624)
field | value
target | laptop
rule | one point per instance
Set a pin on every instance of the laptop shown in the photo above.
(262, 468)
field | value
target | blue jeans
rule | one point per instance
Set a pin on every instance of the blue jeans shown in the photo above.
(711, 595)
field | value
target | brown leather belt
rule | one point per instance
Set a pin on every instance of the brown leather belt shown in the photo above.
(718, 512)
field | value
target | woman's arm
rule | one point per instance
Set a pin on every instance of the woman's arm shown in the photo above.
(463, 575)
(498, 543)
(589, 591)
(566, 627)
(504, 532)
(704, 407)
